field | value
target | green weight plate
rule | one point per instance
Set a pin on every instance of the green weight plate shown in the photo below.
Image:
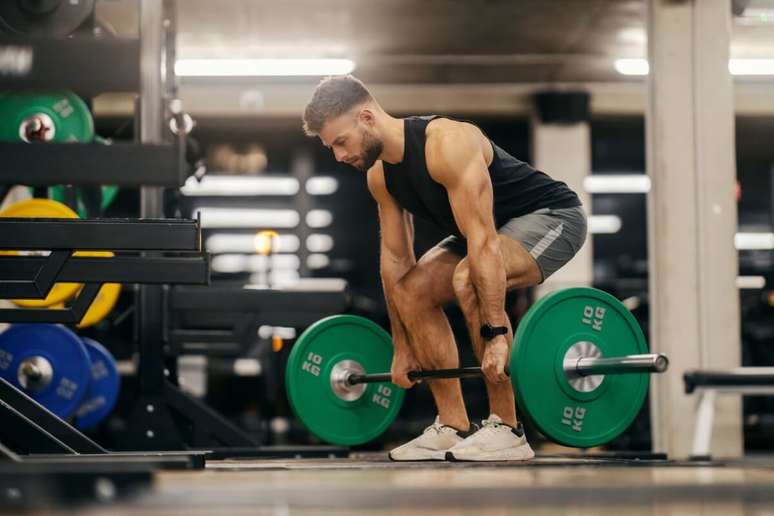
(312, 396)
(109, 193)
(68, 116)
(550, 328)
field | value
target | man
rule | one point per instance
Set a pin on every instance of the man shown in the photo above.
(510, 226)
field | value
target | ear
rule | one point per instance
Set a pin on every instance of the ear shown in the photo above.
(367, 117)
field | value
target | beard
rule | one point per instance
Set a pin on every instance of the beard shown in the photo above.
(372, 149)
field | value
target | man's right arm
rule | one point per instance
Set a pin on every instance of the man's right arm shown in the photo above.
(396, 248)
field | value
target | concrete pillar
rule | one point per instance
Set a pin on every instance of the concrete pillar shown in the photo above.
(691, 215)
(561, 147)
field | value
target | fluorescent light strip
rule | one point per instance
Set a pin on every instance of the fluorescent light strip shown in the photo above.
(220, 243)
(618, 183)
(262, 67)
(322, 185)
(232, 263)
(736, 66)
(751, 66)
(240, 186)
(267, 332)
(279, 279)
(318, 243)
(319, 218)
(754, 241)
(317, 261)
(750, 282)
(247, 218)
(632, 66)
(604, 224)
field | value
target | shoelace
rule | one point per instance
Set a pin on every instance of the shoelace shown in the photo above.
(435, 426)
(490, 423)
(438, 427)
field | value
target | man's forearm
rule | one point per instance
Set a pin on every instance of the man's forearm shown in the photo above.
(392, 270)
(487, 273)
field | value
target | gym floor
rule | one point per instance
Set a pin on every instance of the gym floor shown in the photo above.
(370, 484)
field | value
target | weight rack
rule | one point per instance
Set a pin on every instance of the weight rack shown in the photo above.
(52, 459)
(156, 160)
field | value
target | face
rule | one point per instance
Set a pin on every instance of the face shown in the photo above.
(352, 140)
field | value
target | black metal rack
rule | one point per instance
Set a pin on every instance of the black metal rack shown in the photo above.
(123, 164)
(28, 426)
(163, 417)
(87, 66)
(191, 308)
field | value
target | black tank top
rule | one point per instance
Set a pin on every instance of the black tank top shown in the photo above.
(518, 188)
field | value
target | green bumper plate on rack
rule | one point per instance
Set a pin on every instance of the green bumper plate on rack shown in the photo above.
(359, 415)
(578, 318)
(59, 116)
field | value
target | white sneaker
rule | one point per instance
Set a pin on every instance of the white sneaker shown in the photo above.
(433, 444)
(494, 441)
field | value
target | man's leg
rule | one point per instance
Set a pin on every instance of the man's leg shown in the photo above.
(420, 296)
(521, 271)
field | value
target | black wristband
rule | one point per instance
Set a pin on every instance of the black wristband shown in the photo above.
(489, 332)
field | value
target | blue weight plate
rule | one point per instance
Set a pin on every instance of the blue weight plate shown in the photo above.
(103, 390)
(47, 345)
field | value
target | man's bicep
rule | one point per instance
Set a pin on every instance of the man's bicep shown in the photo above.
(470, 197)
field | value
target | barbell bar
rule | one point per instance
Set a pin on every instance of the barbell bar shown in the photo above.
(647, 363)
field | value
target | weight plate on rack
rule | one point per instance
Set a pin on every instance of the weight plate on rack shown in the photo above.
(48, 362)
(104, 386)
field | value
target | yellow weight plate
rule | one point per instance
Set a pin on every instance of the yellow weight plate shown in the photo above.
(40, 208)
(106, 299)
(43, 208)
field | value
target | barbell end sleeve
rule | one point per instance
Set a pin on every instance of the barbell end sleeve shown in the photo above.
(661, 364)
(627, 364)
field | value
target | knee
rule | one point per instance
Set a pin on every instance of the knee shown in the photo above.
(462, 284)
(411, 294)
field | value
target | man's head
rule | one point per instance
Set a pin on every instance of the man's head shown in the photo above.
(343, 114)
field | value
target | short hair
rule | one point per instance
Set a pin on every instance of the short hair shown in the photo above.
(333, 97)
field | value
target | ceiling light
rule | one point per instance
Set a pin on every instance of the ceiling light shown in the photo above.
(751, 66)
(262, 67)
(632, 66)
(735, 66)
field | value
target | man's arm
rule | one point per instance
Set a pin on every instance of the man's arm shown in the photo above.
(396, 248)
(455, 159)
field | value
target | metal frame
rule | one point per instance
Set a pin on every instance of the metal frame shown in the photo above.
(708, 384)
(100, 234)
(191, 270)
(84, 65)
(122, 164)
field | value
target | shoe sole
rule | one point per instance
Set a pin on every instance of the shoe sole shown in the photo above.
(451, 458)
(440, 457)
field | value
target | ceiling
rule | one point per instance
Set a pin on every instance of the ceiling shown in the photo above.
(449, 43)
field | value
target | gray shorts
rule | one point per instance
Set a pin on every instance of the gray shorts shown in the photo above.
(552, 237)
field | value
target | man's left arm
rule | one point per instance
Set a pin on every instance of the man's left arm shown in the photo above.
(455, 160)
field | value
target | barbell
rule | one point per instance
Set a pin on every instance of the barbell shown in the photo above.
(579, 367)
